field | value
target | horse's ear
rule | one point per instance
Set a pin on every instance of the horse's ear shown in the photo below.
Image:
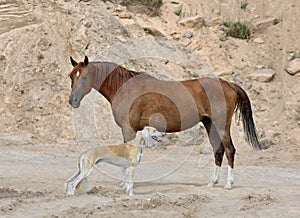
(86, 60)
(74, 63)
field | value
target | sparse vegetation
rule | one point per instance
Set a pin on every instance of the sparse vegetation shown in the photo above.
(244, 4)
(184, 13)
(276, 134)
(238, 29)
(276, 21)
(178, 10)
(40, 57)
(194, 75)
(296, 54)
(2, 58)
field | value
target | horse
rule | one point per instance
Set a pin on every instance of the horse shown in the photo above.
(138, 100)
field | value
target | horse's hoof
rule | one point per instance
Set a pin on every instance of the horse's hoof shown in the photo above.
(70, 193)
(228, 186)
(129, 193)
(211, 184)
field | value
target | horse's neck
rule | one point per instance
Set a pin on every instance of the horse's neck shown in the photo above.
(108, 79)
(100, 73)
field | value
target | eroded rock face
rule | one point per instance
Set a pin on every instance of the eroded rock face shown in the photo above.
(293, 67)
(37, 38)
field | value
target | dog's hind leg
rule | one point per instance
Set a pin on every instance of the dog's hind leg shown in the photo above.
(123, 183)
(85, 168)
(82, 186)
(71, 179)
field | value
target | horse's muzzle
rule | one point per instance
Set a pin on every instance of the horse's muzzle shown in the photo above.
(74, 101)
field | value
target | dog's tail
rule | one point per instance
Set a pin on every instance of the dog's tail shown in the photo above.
(244, 106)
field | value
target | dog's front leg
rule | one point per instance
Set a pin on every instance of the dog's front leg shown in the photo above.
(129, 180)
(123, 184)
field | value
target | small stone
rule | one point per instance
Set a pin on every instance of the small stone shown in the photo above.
(259, 41)
(124, 15)
(264, 143)
(222, 37)
(188, 34)
(192, 22)
(293, 67)
(263, 75)
(152, 31)
(259, 67)
(213, 22)
(120, 8)
(263, 24)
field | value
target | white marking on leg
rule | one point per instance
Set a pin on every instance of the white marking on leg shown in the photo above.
(229, 178)
(215, 176)
(129, 180)
(82, 174)
(69, 181)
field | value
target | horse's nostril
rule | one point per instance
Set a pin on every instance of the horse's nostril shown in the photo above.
(70, 100)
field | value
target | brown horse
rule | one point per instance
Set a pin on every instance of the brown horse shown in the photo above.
(138, 100)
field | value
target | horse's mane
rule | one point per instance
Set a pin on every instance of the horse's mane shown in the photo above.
(116, 76)
(122, 74)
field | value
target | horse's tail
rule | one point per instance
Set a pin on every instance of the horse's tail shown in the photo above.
(244, 106)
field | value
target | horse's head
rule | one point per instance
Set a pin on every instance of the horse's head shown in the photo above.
(81, 82)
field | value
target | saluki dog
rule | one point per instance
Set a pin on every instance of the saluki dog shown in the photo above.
(126, 155)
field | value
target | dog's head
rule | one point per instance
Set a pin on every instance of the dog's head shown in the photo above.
(151, 136)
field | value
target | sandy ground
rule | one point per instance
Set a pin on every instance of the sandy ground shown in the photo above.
(171, 182)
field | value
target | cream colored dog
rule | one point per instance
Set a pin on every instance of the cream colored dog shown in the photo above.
(126, 155)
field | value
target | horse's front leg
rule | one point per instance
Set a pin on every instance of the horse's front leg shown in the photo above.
(128, 133)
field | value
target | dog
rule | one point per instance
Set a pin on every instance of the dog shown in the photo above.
(126, 155)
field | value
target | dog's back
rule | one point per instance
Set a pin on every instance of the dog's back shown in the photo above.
(119, 155)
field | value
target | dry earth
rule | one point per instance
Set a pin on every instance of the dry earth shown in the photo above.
(41, 135)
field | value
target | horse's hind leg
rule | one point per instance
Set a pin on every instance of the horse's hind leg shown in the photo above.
(218, 149)
(218, 154)
(230, 152)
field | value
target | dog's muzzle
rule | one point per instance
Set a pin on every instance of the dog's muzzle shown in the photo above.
(156, 138)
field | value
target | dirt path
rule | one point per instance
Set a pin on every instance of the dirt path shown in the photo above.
(32, 180)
